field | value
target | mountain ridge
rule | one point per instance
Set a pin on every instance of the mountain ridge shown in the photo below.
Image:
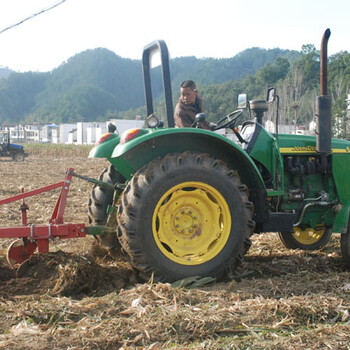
(96, 83)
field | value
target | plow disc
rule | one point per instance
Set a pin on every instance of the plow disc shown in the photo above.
(19, 251)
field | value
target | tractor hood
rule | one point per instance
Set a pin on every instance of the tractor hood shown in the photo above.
(15, 147)
(307, 144)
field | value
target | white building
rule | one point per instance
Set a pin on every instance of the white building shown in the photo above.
(55, 135)
(72, 136)
(32, 133)
(88, 133)
(65, 130)
(46, 132)
(125, 124)
(94, 132)
(100, 131)
(82, 132)
(17, 133)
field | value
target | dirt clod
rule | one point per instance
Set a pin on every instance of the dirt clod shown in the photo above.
(64, 274)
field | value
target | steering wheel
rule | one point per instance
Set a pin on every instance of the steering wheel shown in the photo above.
(228, 120)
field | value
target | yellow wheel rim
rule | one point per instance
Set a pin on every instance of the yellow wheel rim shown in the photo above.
(191, 223)
(309, 235)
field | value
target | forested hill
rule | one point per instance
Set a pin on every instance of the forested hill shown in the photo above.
(4, 72)
(98, 84)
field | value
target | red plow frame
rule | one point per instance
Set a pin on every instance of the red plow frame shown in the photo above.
(38, 236)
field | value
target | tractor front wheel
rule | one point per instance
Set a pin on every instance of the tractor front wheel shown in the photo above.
(307, 239)
(185, 215)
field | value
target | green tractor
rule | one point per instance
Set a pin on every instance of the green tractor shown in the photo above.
(187, 200)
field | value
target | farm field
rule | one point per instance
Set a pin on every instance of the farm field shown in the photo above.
(76, 298)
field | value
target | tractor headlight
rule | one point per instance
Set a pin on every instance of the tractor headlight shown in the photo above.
(152, 121)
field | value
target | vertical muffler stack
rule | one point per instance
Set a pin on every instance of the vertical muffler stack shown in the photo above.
(323, 114)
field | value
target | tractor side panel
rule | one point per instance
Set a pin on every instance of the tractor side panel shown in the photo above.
(264, 150)
(300, 161)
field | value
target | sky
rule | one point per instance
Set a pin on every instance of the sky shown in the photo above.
(200, 28)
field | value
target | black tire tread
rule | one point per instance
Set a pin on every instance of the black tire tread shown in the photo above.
(131, 208)
(345, 245)
(100, 199)
(291, 243)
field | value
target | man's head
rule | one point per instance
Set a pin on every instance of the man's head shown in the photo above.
(188, 92)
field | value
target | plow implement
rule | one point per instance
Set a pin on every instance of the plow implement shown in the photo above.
(31, 237)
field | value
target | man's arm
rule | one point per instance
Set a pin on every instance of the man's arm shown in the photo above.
(177, 119)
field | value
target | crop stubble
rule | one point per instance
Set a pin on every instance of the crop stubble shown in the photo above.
(278, 299)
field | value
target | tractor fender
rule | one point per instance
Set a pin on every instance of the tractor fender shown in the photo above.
(15, 147)
(341, 220)
(134, 154)
(105, 146)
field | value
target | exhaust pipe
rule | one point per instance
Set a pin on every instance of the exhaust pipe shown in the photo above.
(323, 114)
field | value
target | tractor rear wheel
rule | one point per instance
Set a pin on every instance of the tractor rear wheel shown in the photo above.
(185, 215)
(345, 245)
(307, 239)
(18, 157)
(100, 199)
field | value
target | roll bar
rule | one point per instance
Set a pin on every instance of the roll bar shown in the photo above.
(148, 51)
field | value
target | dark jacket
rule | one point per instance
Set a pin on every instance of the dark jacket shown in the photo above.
(185, 115)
